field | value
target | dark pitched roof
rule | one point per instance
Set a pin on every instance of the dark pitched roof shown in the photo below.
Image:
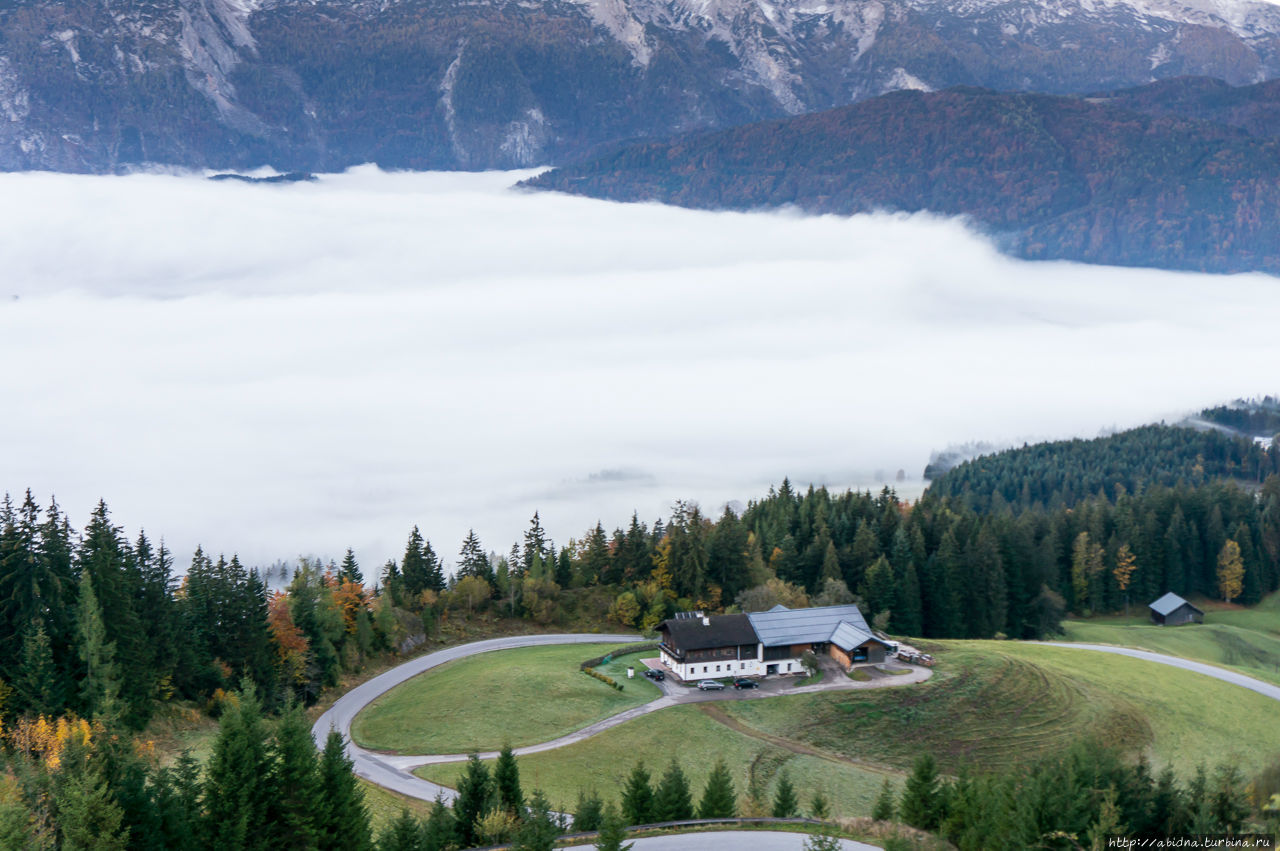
(1170, 603)
(721, 631)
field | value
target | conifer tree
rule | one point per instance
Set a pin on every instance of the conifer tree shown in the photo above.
(472, 559)
(819, 809)
(414, 573)
(237, 791)
(672, 800)
(403, 834)
(342, 822)
(441, 829)
(38, 684)
(100, 689)
(473, 801)
(540, 829)
(884, 806)
(785, 803)
(637, 797)
(588, 813)
(719, 800)
(921, 797)
(296, 778)
(613, 831)
(506, 781)
(350, 569)
(89, 819)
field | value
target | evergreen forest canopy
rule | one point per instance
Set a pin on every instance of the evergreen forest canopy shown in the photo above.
(96, 625)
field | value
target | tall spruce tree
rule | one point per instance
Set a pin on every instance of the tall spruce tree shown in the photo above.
(100, 689)
(342, 821)
(472, 804)
(921, 804)
(296, 778)
(506, 781)
(613, 831)
(237, 786)
(350, 569)
(540, 829)
(785, 802)
(403, 834)
(672, 800)
(441, 829)
(637, 797)
(719, 800)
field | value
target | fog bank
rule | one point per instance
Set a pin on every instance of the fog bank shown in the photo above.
(287, 369)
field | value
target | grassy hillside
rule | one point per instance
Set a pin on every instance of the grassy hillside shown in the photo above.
(992, 705)
(1244, 640)
(692, 734)
(519, 697)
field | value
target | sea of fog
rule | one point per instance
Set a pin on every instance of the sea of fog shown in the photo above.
(278, 370)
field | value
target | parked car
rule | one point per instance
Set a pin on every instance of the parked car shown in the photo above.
(656, 676)
(743, 682)
(710, 685)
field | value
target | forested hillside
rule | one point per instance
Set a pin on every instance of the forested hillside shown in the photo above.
(101, 628)
(1113, 179)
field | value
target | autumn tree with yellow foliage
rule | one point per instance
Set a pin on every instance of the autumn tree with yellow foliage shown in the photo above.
(1230, 571)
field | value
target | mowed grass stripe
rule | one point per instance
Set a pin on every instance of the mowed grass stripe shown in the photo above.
(696, 740)
(995, 705)
(517, 697)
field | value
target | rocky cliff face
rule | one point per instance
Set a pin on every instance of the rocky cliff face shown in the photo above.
(102, 85)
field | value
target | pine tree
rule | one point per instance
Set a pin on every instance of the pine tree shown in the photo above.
(637, 797)
(342, 822)
(473, 801)
(441, 830)
(89, 819)
(472, 559)
(38, 684)
(719, 800)
(414, 571)
(785, 803)
(403, 834)
(540, 830)
(921, 797)
(613, 832)
(350, 570)
(672, 800)
(884, 806)
(295, 775)
(506, 780)
(588, 813)
(100, 689)
(819, 809)
(237, 792)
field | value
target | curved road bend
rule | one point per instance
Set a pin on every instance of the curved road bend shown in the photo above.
(380, 768)
(734, 840)
(1261, 687)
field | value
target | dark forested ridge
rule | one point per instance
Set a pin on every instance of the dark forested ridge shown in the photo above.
(1142, 178)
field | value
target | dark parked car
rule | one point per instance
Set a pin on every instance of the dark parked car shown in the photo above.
(656, 676)
(710, 685)
(743, 682)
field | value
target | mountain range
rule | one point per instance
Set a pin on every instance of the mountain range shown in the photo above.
(1183, 174)
(109, 85)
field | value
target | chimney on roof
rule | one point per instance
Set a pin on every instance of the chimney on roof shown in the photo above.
(706, 621)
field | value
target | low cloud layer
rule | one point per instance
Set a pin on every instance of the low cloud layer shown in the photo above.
(278, 370)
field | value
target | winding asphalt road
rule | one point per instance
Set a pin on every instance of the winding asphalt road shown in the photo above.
(380, 768)
(1263, 688)
(734, 840)
(394, 772)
